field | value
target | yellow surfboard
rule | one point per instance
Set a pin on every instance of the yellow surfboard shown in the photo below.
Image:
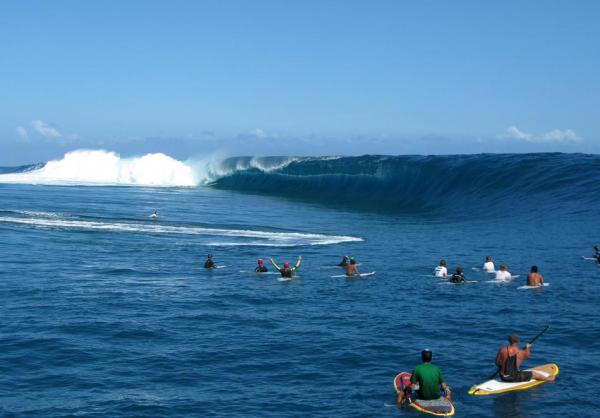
(496, 386)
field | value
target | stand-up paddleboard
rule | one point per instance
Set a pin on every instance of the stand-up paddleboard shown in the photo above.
(496, 386)
(441, 407)
(533, 287)
(356, 275)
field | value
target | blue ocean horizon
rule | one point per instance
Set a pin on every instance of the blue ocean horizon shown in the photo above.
(107, 312)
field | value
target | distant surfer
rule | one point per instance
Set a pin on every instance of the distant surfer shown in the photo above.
(488, 266)
(154, 215)
(287, 271)
(458, 276)
(597, 253)
(429, 379)
(352, 269)
(534, 278)
(209, 263)
(345, 261)
(261, 268)
(503, 274)
(441, 270)
(509, 359)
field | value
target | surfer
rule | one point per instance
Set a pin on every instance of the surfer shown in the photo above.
(441, 270)
(488, 266)
(509, 359)
(287, 271)
(597, 253)
(209, 263)
(429, 379)
(534, 278)
(345, 261)
(352, 269)
(261, 268)
(503, 274)
(154, 215)
(458, 276)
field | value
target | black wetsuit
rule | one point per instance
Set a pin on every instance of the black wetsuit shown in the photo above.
(209, 264)
(261, 269)
(457, 278)
(287, 273)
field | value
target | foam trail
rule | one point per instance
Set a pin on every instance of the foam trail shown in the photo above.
(97, 167)
(265, 238)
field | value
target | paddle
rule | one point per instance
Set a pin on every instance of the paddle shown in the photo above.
(530, 342)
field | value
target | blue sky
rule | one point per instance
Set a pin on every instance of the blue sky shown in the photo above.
(308, 77)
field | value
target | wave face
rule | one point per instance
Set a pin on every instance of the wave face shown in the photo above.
(97, 167)
(418, 184)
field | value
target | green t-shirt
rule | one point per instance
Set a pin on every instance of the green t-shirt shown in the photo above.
(429, 377)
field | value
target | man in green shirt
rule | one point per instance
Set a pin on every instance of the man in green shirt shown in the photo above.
(429, 379)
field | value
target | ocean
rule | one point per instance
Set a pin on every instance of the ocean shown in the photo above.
(106, 312)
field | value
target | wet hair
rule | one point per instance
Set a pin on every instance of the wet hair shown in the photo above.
(459, 269)
(210, 256)
(426, 356)
(442, 262)
(513, 338)
(503, 267)
(534, 269)
(488, 258)
(353, 261)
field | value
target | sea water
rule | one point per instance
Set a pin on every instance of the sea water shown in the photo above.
(106, 312)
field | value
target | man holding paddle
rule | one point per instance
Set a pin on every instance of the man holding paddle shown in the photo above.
(510, 357)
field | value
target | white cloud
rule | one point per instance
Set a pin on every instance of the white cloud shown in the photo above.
(45, 130)
(554, 136)
(258, 132)
(22, 132)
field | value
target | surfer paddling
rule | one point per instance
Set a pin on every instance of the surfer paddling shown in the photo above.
(287, 271)
(534, 278)
(210, 263)
(509, 359)
(428, 377)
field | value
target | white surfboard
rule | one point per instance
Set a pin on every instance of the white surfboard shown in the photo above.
(356, 275)
(589, 258)
(285, 279)
(533, 287)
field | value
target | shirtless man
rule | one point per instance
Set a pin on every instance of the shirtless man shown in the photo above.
(352, 269)
(534, 278)
(509, 359)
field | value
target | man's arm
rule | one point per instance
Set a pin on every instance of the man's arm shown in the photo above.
(274, 265)
(297, 263)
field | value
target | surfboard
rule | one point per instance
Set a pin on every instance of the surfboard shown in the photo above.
(466, 281)
(356, 275)
(441, 407)
(496, 386)
(285, 279)
(588, 258)
(533, 287)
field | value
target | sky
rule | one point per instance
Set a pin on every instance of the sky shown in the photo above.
(307, 77)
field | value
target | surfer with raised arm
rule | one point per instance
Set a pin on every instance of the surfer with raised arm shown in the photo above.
(429, 379)
(441, 270)
(287, 271)
(510, 358)
(261, 268)
(352, 269)
(209, 263)
(534, 278)
(488, 266)
(503, 274)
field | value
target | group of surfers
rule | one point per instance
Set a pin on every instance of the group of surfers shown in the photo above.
(427, 382)
(534, 278)
(288, 271)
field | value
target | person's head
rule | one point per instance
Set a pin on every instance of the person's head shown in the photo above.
(534, 269)
(443, 263)
(503, 267)
(286, 265)
(426, 355)
(488, 258)
(260, 262)
(346, 258)
(597, 248)
(514, 339)
(210, 256)
(459, 269)
(353, 261)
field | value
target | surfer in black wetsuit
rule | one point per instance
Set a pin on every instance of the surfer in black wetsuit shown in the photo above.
(458, 276)
(287, 271)
(261, 268)
(209, 263)
(345, 261)
(597, 253)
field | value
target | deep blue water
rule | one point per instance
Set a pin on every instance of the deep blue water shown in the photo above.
(106, 313)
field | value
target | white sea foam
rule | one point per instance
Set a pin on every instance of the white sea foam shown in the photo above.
(261, 238)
